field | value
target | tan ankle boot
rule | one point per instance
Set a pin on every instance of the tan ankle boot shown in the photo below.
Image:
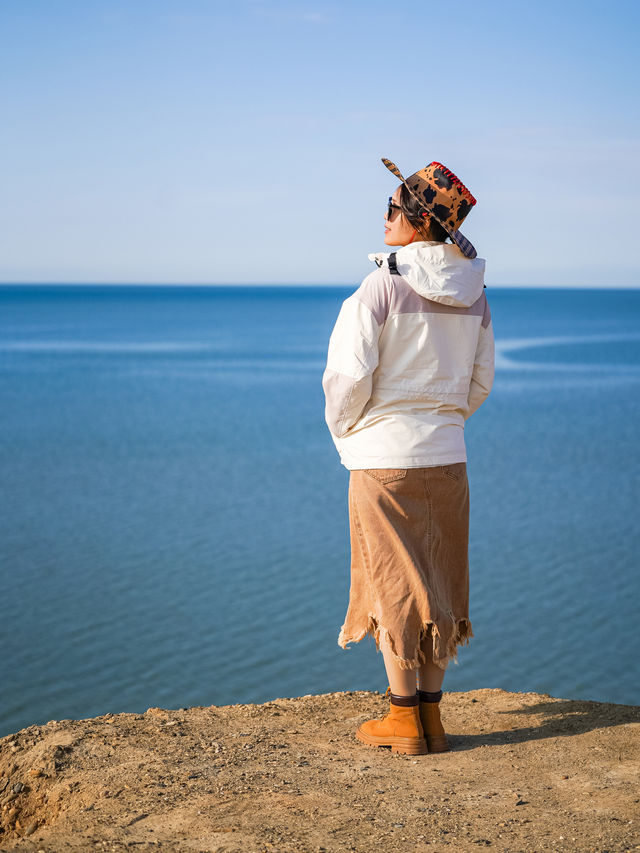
(432, 726)
(400, 729)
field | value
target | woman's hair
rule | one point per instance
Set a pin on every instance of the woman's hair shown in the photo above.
(428, 228)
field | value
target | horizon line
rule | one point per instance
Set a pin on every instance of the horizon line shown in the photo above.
(496, 285)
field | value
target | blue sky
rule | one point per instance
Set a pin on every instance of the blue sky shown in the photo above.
(216, 142)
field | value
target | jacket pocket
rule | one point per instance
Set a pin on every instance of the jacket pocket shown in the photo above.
(386, 475)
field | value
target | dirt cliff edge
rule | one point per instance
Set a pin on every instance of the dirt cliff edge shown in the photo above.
(526, 772)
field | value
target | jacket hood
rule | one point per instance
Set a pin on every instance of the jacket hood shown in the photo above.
(438, 271)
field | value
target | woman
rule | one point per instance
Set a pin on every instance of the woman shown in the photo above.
(411, 357)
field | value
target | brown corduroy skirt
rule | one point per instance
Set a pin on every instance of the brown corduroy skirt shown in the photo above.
(409, 561)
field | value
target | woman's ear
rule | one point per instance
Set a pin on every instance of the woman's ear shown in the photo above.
(425, 227)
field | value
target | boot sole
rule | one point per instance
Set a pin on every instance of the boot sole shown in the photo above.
(438, 743)
(404, 745)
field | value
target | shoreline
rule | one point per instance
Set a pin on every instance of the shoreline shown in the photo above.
(527, 771)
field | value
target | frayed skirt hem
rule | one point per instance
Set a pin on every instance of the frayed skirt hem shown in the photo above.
(461, 635)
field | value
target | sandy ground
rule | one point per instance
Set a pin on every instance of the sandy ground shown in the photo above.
(527, 772)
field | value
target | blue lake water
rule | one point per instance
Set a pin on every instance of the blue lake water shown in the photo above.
(174, 531)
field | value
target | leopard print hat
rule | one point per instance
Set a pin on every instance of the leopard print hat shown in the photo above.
(438, 191)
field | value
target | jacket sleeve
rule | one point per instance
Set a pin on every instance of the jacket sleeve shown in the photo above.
(352, 359)
(483, 367)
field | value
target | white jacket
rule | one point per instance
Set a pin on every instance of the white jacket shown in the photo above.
(411, 357)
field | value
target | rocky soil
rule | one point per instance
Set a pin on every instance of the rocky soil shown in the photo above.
(527, 772)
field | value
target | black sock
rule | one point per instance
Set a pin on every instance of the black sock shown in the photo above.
(425, 696)
(407, 701)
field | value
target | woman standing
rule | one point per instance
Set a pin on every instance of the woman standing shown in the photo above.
(411, 357)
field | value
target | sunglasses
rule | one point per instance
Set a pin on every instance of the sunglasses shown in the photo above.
(390, 209)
